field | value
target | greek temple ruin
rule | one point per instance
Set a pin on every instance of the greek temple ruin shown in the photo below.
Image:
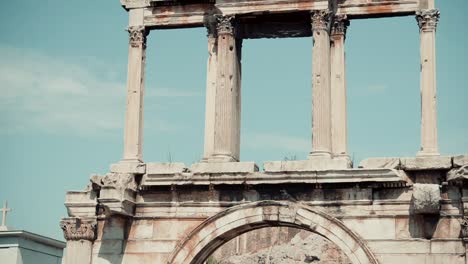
(383, 210)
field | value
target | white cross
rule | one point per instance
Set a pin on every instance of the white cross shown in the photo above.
(5, 209)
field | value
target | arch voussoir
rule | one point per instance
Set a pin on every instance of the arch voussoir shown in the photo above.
(217, 230)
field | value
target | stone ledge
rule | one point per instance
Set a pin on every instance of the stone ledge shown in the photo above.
(128, 167)
(313, 177)
(223, 167)
(460, 161)
(380, 163)
(426, 163)
(315, 163)
(165, 168)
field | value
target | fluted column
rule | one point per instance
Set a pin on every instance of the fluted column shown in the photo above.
(427, 22)
(227, 95)
(133, 137)
(211, 71)
(338, 87)
(80, 235)
(321, 94)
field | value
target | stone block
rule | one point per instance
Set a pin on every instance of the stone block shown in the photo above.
(402, 230)
(426, 198)
(128, 167)
(410, 246)
(314, 163)
(380, 163)
(144, 258)
(459, 161)
(445, 258)
(167, 229)
(447, 247)
(106, 258)
(401, 258)
(458, 174)
(141, 229)
(111, 229)
(426, 163)
(150, 246)
(223, 167)
(165, 168)
(447, 228)
(108, 246)
(372, 228)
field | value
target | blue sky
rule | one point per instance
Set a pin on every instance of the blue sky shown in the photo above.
(62, 80)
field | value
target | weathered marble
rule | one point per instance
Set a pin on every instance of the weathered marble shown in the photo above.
(389, 210)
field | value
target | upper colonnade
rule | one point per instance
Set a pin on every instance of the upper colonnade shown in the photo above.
(229, 22)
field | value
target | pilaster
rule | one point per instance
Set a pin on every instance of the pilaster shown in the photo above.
(427, 22)
(338, 87)
(321, 94)
(227, 95)
(133, 137)
(80, 234)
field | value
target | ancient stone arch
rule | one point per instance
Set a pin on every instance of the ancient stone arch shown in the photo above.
(218, 229)
(406, 209)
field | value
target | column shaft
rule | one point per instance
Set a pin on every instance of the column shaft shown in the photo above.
(338, 87)
(321, 94)
(227, 98)
(210, 92)
(133, 137)
(427, 21)
(78, 252)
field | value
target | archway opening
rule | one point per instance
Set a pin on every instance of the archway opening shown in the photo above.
(278, 245)
(204, 240)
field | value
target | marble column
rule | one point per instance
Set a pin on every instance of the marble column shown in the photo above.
(427, 22)
(211, 71)
(133, 137)
(227, 95)
(338, 86)
(80, 235)
(321, 94)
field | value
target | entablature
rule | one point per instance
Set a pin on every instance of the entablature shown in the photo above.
(181, 14)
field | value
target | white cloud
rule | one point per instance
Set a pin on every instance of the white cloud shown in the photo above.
(271, 141)
(49, 94)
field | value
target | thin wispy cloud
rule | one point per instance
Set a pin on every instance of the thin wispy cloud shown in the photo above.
(44, 93)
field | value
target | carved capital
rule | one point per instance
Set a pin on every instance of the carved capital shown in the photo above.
(77, 228)
(320, 19)
(428, 19)
(226, 25)
(137, 36)
(340, 25)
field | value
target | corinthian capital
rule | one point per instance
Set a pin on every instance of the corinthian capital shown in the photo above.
(76, 228)
(340, 25)
(428, 19)
(137, 35)
(320, 19)
(226, 25)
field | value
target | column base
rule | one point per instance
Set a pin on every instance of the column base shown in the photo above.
(430, 152)
(320, 153)
(219, 158)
